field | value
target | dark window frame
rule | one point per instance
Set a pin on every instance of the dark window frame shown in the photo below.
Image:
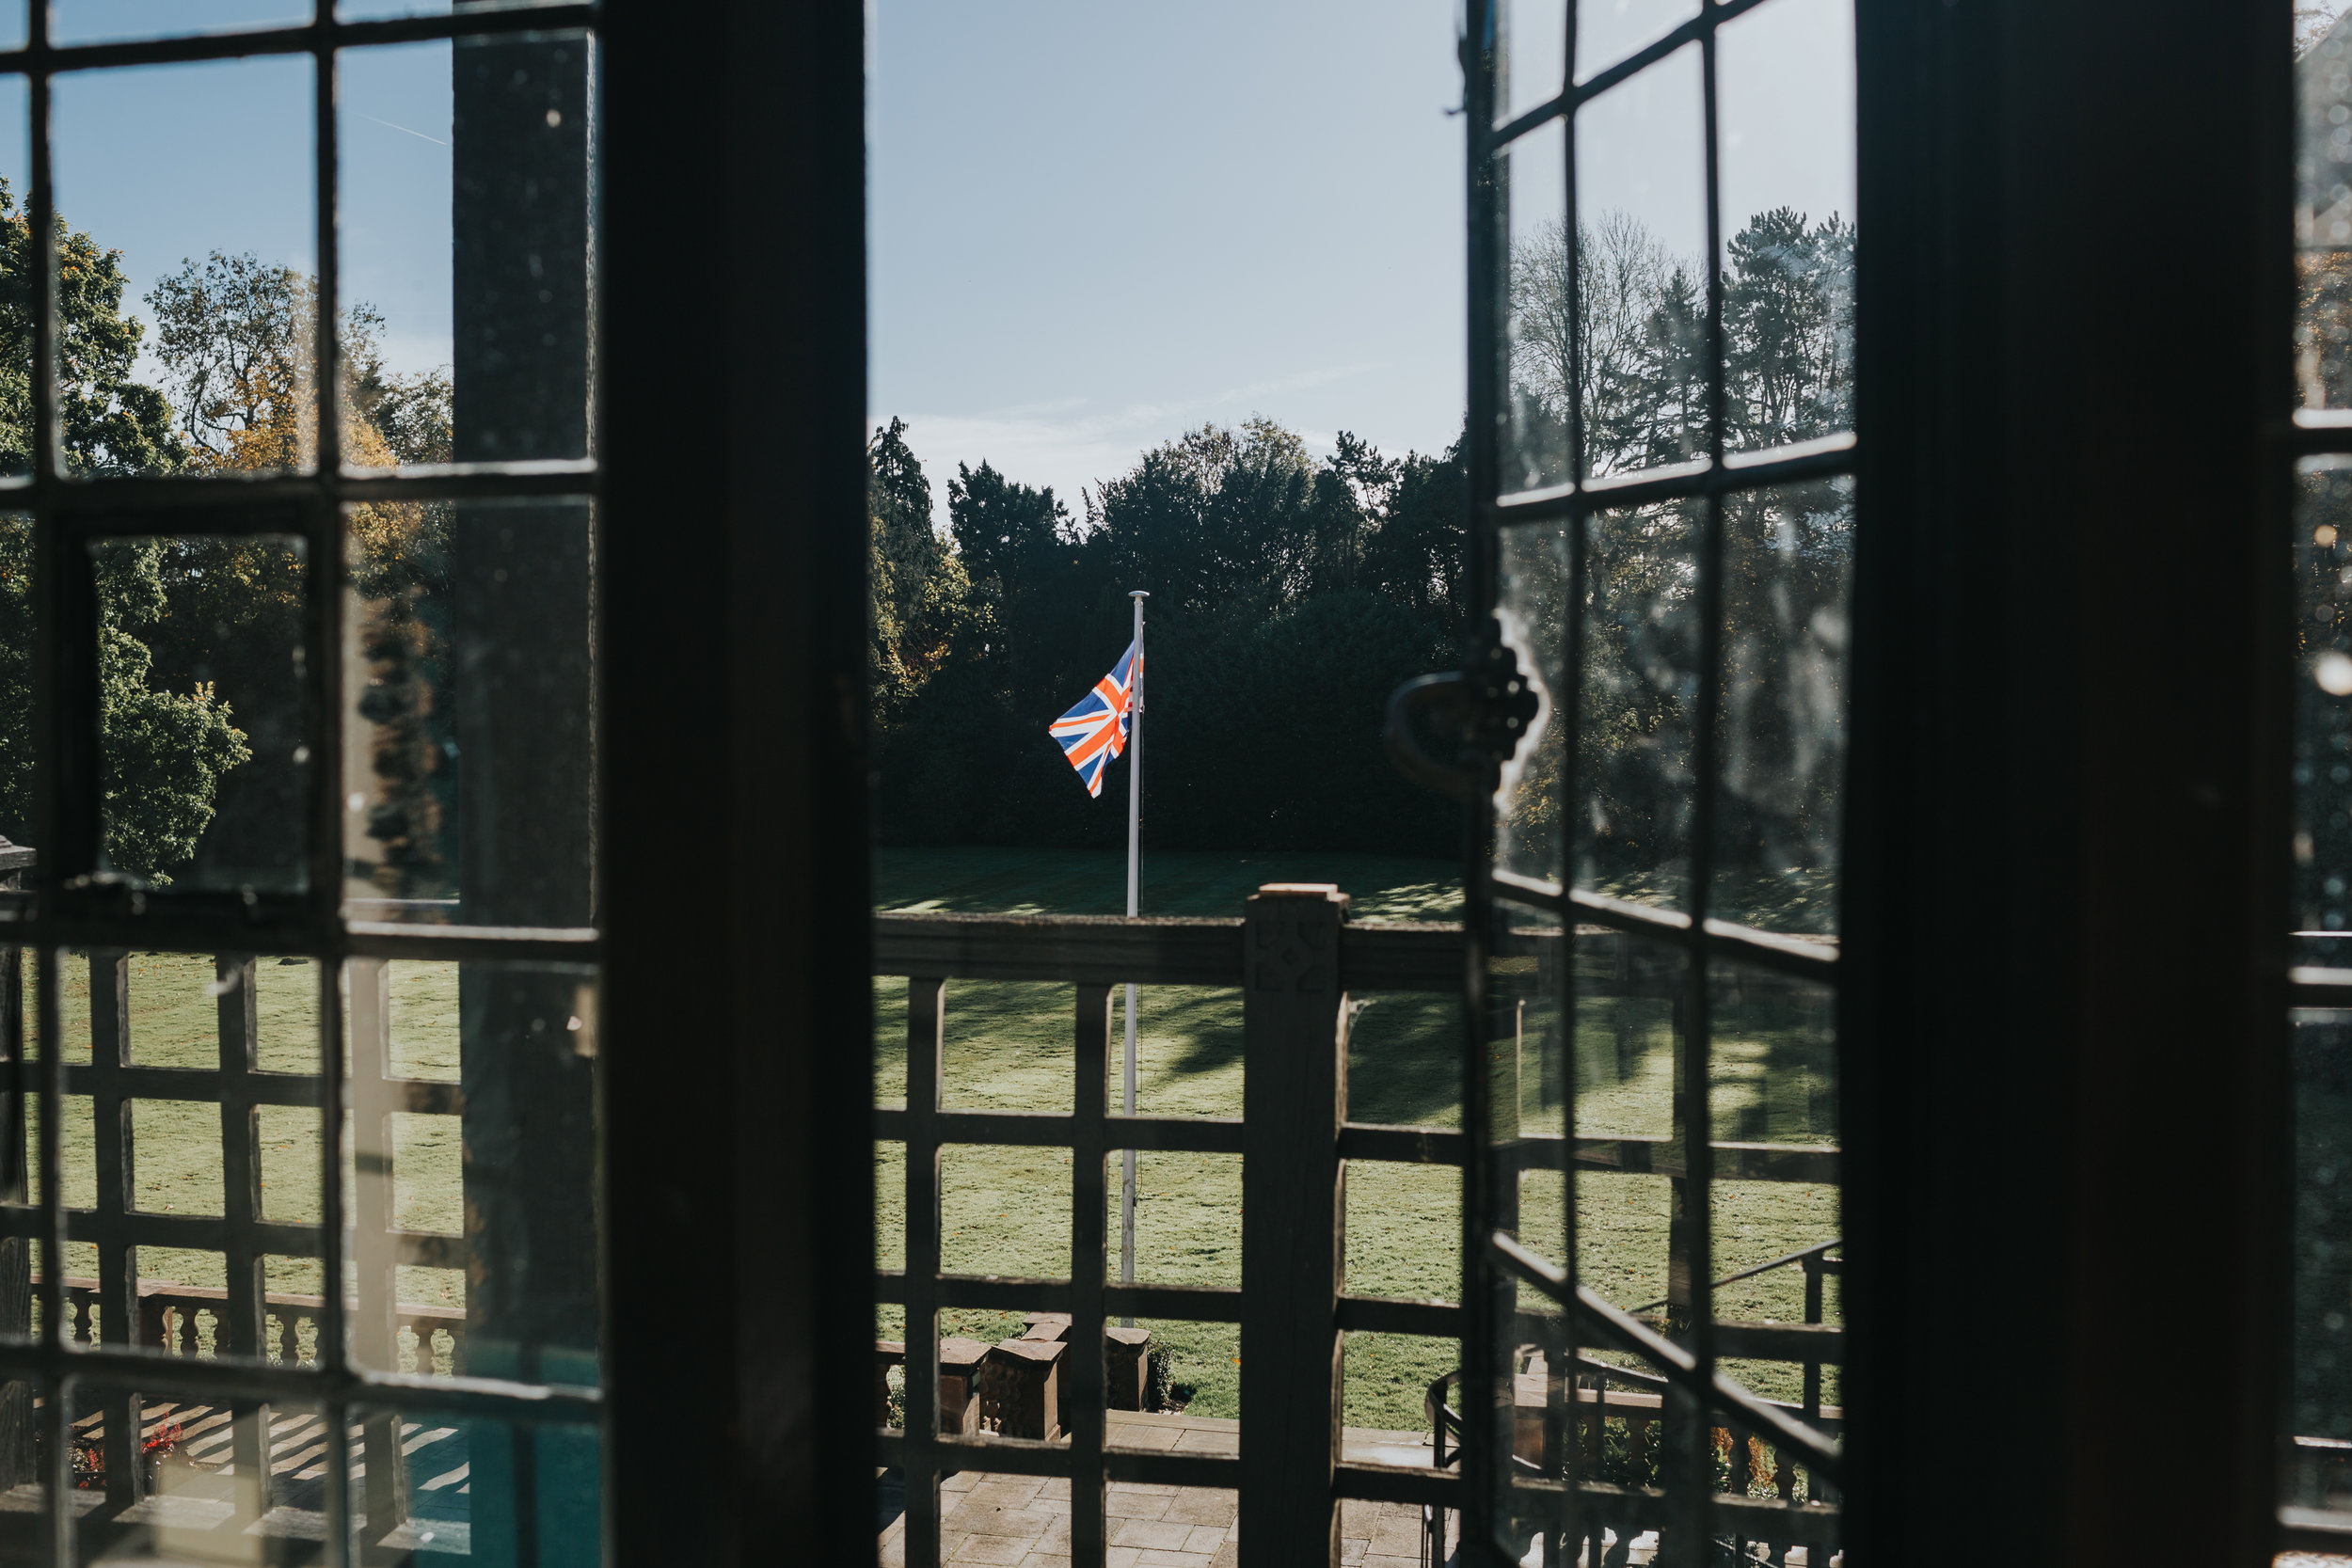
(68, 907)
(1496, 1262)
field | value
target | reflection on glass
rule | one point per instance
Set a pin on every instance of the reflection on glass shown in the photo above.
(369, 11)
(1627, 1009)
(1533, 595)
(204, 765)
(142, 1152)
(518, 181)
(1634, 798)
(189, 318)
(1773, 1068)
(1540, 349)
(1789, 577)
(2324, 218)
(1786, 100)
(1526, 1082)
(467, 742)
(1641, 238)
(16, 683)
(1535, 54)
(180, 1480)
(471, 1205)
(2323, 688)
(111, 21)
(431, 1487)
(16, 324)
(1609, 30)
(1630, 997)
(2319, 1416)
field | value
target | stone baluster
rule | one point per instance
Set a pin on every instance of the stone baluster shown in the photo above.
(1020, 1388)
(959, 1406)
(887, 1354)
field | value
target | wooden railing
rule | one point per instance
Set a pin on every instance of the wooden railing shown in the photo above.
(1295, 958)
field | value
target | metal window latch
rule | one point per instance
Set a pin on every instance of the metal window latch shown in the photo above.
(1489, 710)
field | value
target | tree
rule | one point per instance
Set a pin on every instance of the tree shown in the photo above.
(1326, 581)
(235, 340)
(1633, 343)
(165, 746)
(1788, 330)
(163, 754)
(918, 589)
(108, 423)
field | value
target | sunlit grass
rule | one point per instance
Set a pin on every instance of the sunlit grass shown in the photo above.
(1009, 1047)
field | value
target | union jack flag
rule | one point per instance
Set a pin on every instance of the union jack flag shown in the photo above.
(1096, 730)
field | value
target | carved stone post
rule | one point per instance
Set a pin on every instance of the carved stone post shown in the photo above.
(1294, 1218)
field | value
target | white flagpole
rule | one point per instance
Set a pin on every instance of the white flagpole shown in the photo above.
(1135, 907)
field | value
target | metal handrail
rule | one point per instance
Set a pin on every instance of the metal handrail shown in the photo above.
(1751, 1274)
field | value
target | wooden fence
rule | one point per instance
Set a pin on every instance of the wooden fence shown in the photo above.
(1295, 958)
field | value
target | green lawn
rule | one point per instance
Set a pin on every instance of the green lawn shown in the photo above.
(1009, 1048)
(177, 1143)
(1006, 1211)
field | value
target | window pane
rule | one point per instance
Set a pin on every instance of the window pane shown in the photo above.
(16, 325)
(2320, 1411)
(1534, 591)
(1535, 55)
(473, 1242)
(395, 144)
(365, 10)
(1539, 347)
(1784, 75)
(178, 1141)
(1774, 1067)
(2324, 218)
(431, 1487)
(217, 374)
(195, 1480)
(1609, 30)
(1640, 254)
(519, 179)
(1638, 702)
(2323, 731)
(109, 21)
(17, 762)
(205, 765)
(467, 741)
(1788, 582)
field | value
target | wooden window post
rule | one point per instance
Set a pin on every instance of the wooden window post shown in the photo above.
(1293, 1219)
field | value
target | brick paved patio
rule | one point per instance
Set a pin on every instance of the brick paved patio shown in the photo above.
(1024, 1521)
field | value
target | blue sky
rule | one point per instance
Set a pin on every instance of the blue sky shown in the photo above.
(1096, 222)
(1093, 223)
(174, 161)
